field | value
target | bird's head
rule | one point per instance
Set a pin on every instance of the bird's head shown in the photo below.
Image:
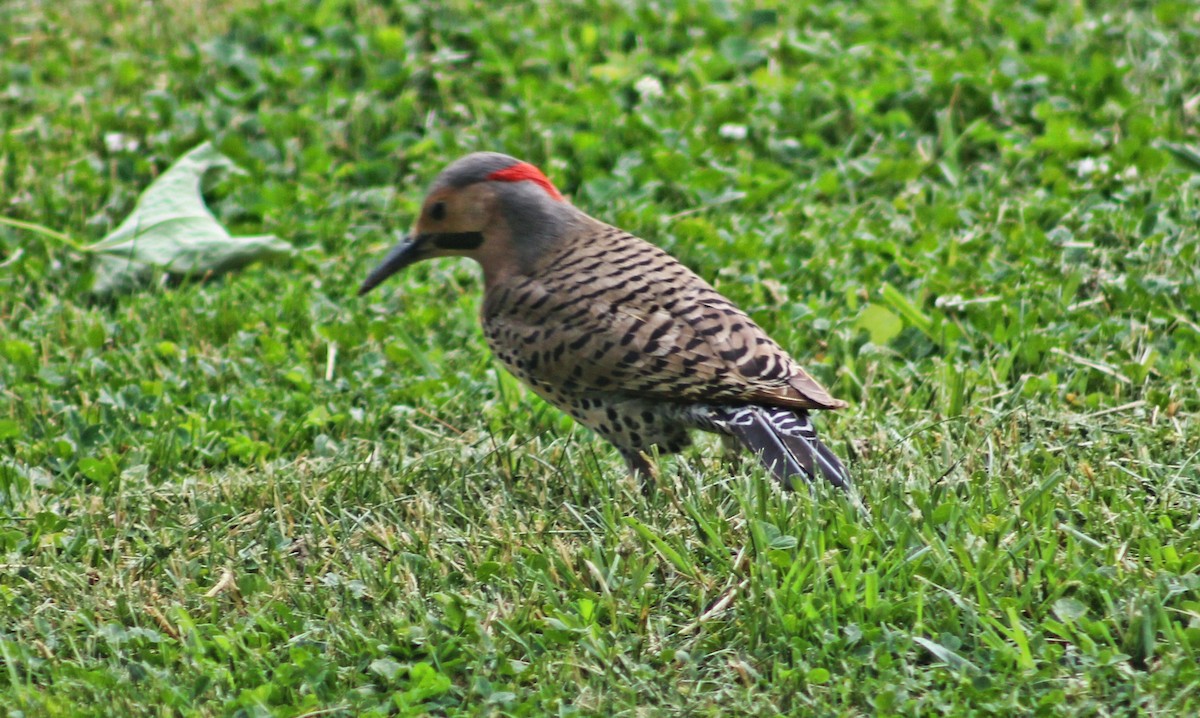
(496, 209)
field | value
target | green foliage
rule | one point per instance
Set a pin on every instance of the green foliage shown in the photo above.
(261, 496)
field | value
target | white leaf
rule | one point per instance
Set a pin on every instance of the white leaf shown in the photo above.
(171, 230)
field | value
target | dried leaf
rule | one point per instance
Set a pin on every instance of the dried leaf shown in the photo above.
(172, 231)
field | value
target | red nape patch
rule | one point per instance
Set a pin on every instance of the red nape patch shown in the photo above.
(522, 171)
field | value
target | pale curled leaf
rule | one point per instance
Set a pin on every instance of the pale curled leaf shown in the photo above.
(171, 230)
(118, 275)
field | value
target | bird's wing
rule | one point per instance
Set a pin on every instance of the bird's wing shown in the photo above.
(641, 323)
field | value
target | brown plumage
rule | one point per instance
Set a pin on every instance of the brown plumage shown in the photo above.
(613, 330)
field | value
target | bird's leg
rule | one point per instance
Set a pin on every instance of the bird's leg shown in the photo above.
(733, 454)
(641, 469)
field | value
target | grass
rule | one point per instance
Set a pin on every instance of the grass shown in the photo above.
(262, 496)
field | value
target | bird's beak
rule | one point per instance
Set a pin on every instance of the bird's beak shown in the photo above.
(410, 250)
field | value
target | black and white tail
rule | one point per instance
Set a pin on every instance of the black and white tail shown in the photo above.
(784, 440)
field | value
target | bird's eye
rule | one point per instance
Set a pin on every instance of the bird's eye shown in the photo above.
(437, 211)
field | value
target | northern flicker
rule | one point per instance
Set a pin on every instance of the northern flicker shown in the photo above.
(613, 330)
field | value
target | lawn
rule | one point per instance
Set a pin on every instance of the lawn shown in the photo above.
(263, 496)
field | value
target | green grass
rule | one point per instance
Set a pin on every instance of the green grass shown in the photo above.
(263, 496)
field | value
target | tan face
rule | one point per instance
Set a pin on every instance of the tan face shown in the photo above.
(467, 223)
(451, 217)
(455, 222)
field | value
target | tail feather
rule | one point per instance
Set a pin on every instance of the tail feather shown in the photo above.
(785, 442)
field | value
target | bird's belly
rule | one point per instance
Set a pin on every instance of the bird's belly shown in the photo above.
(629, 422)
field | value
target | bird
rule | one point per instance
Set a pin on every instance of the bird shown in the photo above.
(612, 329)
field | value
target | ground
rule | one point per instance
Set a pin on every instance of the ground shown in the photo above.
(261, 495)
